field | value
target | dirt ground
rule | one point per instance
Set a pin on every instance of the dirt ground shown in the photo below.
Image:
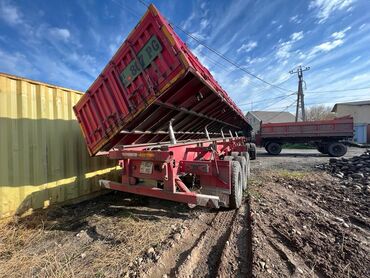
(305, 223)
(296, 221)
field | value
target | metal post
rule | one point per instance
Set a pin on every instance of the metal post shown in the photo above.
(222, 133)
(207, 134)
(231, 134)
(300, 95)
(236, 134)
(172, 133)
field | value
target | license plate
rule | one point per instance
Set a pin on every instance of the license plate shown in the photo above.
(145, 56)
(146, 167)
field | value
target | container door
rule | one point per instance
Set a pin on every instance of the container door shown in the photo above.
(360, 133)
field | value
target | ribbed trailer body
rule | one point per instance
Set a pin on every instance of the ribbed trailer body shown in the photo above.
(152, 79)
(159, 112)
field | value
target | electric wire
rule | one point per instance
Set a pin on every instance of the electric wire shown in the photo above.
(237, 66)
(285, 109)
(221, 55)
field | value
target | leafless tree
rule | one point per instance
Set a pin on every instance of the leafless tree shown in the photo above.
(319, 112)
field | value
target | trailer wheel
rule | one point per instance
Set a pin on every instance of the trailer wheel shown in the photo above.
(229, 158)
(337, 149)
(252, 151)
(236, 196)
(234, 154)
(243, 166)
(247, 158)
(323, 149)
(273, 148)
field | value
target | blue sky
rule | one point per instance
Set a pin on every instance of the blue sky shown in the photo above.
(69, 42)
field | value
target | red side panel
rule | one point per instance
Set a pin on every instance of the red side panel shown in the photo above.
(339, 127)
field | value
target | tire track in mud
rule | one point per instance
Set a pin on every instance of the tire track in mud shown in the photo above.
(224, 249)
(236, 258)
(203, 259)
(213, 245)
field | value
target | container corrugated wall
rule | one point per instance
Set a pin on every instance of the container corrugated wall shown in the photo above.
(43, 157)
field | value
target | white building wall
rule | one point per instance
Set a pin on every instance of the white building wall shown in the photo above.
(360, 113)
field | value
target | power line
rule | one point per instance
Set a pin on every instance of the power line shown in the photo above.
(268, 106)
(286, 108)
(223, 67)
(274, 98)
(337, 91)
(221, 55)
(214, 62)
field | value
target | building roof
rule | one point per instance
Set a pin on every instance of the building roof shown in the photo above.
(273, 116)
(355, 103)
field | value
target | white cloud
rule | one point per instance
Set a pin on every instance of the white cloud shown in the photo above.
(280, 26)
(296, 36)
(324, 47)
(188, 22)
(199, 35)
(16, 63)
(204, 23)
(361, 77)
(247, 47)
(60, 33)
(283, 51)
(197, 51)
(197, 22)
(327, 46)
(326, 7)
(295, 19)
(256, 60)
(244, 81)
(362, 26)
(10, 13)
(284, 48)
(340, 34)
(113, 46)
(355, 59)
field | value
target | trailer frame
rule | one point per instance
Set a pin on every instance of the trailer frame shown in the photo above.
(157, 170)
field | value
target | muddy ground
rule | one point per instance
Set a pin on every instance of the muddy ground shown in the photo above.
(295, 221)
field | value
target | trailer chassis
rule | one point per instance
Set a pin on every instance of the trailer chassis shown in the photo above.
(157, 171)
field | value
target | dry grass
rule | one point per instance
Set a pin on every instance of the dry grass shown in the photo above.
(42, 247)
(291, 174)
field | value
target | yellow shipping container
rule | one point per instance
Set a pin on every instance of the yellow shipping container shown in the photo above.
(43, 157)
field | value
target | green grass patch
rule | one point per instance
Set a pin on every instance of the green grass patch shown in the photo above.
(291, 174)
(298, 146)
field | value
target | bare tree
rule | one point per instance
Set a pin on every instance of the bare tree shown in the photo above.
(319, 112)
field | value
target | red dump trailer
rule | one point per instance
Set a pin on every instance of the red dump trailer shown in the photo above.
(326, 136)
(159, 112)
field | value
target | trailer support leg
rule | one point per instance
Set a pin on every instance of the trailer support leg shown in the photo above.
(172, 133)
(183, 197)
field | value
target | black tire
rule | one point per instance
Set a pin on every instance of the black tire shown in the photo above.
(229, 158)
(337, 149)
(247, 158)
(323, 149)
(243, 166)
(273, 148)
(234, 154)
(235, 199)
(252, 151)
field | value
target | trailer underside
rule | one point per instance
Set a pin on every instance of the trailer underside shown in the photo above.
(210, 173)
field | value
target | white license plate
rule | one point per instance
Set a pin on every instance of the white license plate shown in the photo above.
(146, 167)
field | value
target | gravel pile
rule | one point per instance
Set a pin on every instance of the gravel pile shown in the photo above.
(352, 170)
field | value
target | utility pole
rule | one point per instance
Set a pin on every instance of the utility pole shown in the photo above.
(300, 95)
